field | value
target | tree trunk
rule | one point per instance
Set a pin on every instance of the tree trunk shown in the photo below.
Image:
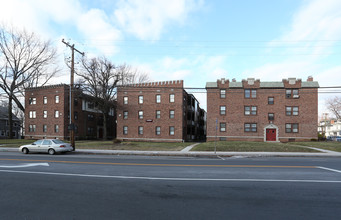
(10, 119)
(105, 132)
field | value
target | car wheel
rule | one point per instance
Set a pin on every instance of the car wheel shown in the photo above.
(25, 150)
(51, 151)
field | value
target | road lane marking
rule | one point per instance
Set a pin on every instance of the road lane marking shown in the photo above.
(172, 179)
(325, 168)
(166, 165)
(25, 165)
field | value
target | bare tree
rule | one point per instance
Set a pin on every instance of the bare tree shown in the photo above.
(99, 79)
(25, 60)
(334, 105)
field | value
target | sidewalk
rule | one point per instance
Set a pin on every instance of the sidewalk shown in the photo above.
(187, 153)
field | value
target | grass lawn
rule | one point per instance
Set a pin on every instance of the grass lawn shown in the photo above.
(246, 146)
(330, 145)
(144, 146)
(107, 145)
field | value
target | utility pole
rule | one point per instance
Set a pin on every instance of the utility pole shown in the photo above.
(71, 126)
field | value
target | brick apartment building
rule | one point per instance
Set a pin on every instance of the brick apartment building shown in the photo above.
(262, 111)
(159, 111)
(47, 114)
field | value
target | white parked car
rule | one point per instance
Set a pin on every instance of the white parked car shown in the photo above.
(50, 146)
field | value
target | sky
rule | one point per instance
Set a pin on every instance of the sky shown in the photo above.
(197, 41)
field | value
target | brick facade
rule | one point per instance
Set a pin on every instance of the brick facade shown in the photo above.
(162, 116)
(262, 111)
(47, 114)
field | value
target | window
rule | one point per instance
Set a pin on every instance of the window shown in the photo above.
(271, 100)
(75, 115)
(91, 105)
(141, 99)
(32, 114)
(32, 128)
(56, 114)
(291, 128)
(56, 98)
(125, 130)
(45, 100)
(32, 101)
(75, 102)
(46, 142)
(90, 117)
(44, 128)
(56, 128)
(171, 113)
(291, 110)
(44, 114)
(91, 130)
(140, 130)
(291, 93)
(271, 116)
(140, 114)
(158, 130)
(250, 127)
(125, 115)
(125, 100)
(158, 114)
(250, 110)
(250, 93)
(171, 130)
(222, 126)
(158, 98)
(223, 93)
(223, 110)
(171, 97)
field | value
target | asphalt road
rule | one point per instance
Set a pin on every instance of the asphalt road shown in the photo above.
(39, 186)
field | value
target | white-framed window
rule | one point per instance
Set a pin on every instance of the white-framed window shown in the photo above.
(250, 110)
(222, 110)
(223, 93)
(125, 115)
(32, 101)
(45, 100)
(158, 130)
(44, 128)
(56, 114)
(222, 126)
(125, 130)
(140, 99)
(158, 114)
(171, 97)
(271, 116)
(125, 100)
(158, 98)
(250, 93)
(32, 114)
(140, 130)
(32, 128)
(44, 114)
(140, 114)
(291, 110)
(56, 99)
(291, 128)
(56, 128)
(171, 113)
(250, 127)
(171, 130)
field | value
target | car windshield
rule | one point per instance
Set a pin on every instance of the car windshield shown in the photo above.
(57, 141)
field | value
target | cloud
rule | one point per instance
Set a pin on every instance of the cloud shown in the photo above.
(147, 19)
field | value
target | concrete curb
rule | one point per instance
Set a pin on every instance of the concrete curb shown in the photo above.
(194, 153)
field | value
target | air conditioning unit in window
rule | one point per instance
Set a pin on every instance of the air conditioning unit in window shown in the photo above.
(296, 96)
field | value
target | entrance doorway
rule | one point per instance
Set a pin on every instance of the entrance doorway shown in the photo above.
(270, 134)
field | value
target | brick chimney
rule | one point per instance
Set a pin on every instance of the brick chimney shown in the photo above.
(310, 79)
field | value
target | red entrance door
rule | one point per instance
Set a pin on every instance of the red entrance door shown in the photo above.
(270, 134)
